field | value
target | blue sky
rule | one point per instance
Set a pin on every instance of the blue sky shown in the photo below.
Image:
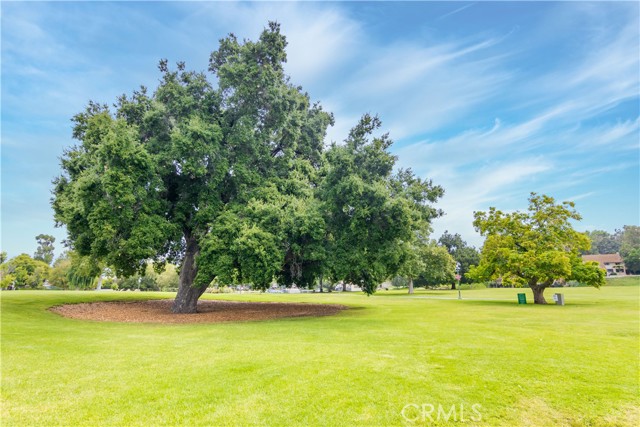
(490, 100)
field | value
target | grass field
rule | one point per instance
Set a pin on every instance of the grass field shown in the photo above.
(575, 365)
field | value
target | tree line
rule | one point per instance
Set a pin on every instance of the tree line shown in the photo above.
(625, 241)
(74, 271)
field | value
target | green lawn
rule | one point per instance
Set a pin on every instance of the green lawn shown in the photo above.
(623, 281)
(524, 365)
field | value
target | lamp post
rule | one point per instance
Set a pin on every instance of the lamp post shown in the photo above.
(458, 277)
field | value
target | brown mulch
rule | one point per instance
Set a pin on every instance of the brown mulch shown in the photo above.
(209, 311)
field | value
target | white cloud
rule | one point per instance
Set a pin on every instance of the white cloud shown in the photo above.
(505, 184)
(321, 37)
(418, 89)
(453, 12)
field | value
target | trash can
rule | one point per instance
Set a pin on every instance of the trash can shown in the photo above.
(522, 298)
(559, 299)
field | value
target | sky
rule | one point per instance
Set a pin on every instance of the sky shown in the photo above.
(491, 100)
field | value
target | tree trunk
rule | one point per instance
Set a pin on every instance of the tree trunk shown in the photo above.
(410, 285)
(538, 291)
(187, 298)
(453, 286)
(321, 283)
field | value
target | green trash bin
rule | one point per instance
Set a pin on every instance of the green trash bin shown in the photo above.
(522, 298)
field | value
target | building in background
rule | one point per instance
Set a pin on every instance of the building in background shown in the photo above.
(612, 263)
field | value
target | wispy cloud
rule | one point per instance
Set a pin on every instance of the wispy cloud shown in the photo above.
(417, 89)
(321, 37)
(575, 198)
(453, 12)
(558, 136)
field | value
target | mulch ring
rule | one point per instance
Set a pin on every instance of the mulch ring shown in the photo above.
(209, 311)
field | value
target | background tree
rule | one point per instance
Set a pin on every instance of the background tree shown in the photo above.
(630, 248)
(24, 272)
(371, 214)
(464, 255)
(59, 271)
(45, 249)
(414, 264)
(399, 282)
(165, 276)
(439, 266)
(603, 242)
(137, 282)
(534, 248)
(83, 272)
(3, 257)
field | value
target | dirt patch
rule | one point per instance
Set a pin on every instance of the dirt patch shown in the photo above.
(209, 311)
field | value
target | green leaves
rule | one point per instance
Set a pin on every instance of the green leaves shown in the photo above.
(371, 214)
(237, 178)
(536, 248)
(23, 272)
(238, 251)
(44, 252)
(630, 248)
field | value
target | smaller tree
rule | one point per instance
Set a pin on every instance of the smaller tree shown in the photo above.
(439, 266)
(60, 270)
(602, 242)
(630, 248)
(82, 271)
(24, 272)
(534, 248)
(465, 255)
(429, 264)
(142, 283)
(414, 264)
(165, 276)
(371, 214)
(44, 252)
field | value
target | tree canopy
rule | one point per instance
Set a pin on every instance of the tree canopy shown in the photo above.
(23, 272)
(232, 182)
(464, 255)
(372, 215)
(45, 249)
(603, 242)
(534, 248)
(630, 248)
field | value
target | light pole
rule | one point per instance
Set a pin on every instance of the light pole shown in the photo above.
(458, 277)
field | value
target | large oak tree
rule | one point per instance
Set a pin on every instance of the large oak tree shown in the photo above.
(232, 181)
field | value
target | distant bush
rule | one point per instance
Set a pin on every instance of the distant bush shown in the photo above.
(399, 282)
(143, 283)
(470, 286)
(109, 283)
